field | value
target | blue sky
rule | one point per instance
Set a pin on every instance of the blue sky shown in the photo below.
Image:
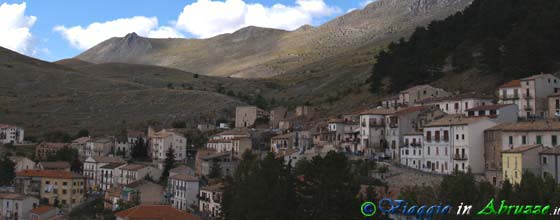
(57, 29)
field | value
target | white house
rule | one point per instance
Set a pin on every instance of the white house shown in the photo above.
(162, 141)
(16, 206)
(534, 94)
(210, 202)
(133, 172)
(455, 142)
(501, 113)
(10, 134)
(416, 94)
(372, 130)
(99, 147)
(109, 175)
(235, 141)
(183, 189)
(458, 104)
(411, 150)
(509, 93)
(92, 170)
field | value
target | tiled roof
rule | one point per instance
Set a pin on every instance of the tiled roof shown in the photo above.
(521, 149)
(7, 126)
(133, 167)
(155, 212)
(412, 109)
(181, 169)
(111, 165)
(538, 76)
(283, 136)
(214, 188)
(42, 209)
(555, 150)
(81, 140)
(377, 111)
(55, 165)
(104, 159)
(539, 125)
(454, 120)
(14, 196)
(513, 83)
(53, 145)
(488, 107)
(184, 177)
(457, 98)
(59, 174)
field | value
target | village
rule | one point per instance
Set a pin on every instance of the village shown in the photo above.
(423, 130)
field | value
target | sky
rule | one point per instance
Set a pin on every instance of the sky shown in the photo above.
(57, 29)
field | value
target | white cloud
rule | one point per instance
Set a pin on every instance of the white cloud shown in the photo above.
(15, 28)
(364, 3)
(207, 18)
(86, 37)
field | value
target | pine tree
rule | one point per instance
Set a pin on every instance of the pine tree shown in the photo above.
(169, 164)
(7, 171)
(215, 170)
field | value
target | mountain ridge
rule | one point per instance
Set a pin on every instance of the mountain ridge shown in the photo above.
(255, 52)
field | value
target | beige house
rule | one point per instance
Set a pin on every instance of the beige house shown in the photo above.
(246, 116)
(419, 93)
(235, 141)
(22, 163)
(45, 149)
(554, 106)
(54, 187)
(16, 206)
(276, 115)
(458, 104)
(99, 147)
(162, 141)
(534, 94)
(509, 93)
(516, 161)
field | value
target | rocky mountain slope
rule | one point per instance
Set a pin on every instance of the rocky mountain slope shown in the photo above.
(254, 52)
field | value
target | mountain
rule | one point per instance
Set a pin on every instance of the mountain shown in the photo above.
(42, 96)
(255, 52)
(499, 39)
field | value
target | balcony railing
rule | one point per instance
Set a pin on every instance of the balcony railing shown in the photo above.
(460, 157)
(514, 96)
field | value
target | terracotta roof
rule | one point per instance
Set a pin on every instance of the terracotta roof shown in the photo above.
(555, 150)
(454, 120)
(540, 125)
(488, 107)
(111, 165)
(104, 159)
(181, 169)
(14, 196)
(377, 111)
(457, 98)
(133, 167)
(283, 136)
(219, 187)
(42, 209)
(59, 174)
(513, 83)
(155, 212)
(7, 126)
(412, 109)
(53, 145)
(234, 132)
(55, 165)
(81, 140)
(184, 177)
(522, 149)
(220, 140)
(536, 76)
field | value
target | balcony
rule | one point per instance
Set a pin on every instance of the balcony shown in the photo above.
(460, 157)
(415, 145)
(509, 96)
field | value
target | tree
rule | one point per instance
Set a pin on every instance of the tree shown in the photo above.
(169, 164)
(140, 149)
(82, 133)
(179, 124)
(7, 174)
(215, 170)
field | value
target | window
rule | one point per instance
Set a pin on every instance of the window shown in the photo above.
(437, 136)
(446, 136)
(510, 140)
(64, 191)
(64, 183)
(554, 140)
(544, 160)
(524, 140)
(463, 136)
(456, 106)
(466, 105)
(539, 139)
(428, 136)
(456, 137)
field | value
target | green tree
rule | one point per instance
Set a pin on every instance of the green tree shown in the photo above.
(170, 163)
(215, 170)
(140, 149)
(7, 174)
